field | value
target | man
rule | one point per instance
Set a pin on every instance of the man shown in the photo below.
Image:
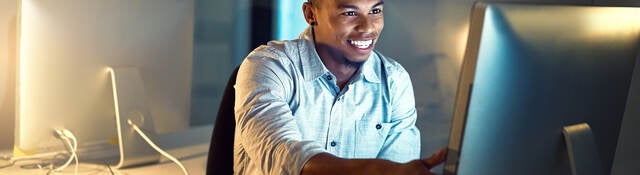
(328, 103)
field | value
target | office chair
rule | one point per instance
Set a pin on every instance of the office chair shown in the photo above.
(220, 159)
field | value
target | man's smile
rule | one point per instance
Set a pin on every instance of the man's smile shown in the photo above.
(364, 44)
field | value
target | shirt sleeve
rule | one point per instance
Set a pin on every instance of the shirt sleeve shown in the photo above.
(268, 133)
(403, 142)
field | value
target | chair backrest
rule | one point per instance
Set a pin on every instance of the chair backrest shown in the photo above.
(220, 160)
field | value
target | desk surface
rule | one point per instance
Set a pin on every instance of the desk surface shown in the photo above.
(193, 157)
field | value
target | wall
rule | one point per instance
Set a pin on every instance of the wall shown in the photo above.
(8, 52)
(220, 43)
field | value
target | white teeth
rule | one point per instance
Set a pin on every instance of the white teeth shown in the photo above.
(361, 44)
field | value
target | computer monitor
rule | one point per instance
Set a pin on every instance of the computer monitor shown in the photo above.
(531, 70)
(65, 49)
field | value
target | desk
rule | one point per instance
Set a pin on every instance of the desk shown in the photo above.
(192, 153)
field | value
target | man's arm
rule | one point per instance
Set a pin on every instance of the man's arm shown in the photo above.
(325, 163)
(266, 129)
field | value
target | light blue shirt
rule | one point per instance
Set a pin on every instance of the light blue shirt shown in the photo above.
(289, 108)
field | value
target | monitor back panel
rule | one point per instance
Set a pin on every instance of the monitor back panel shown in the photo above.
(528, 71)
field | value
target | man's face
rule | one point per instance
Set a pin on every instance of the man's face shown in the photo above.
(348, 28)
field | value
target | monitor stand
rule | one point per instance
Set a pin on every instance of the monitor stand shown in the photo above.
(130, 104)
(582, 150)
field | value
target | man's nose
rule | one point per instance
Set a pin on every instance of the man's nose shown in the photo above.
(365, 24)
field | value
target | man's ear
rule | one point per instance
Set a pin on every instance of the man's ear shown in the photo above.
(309, 13)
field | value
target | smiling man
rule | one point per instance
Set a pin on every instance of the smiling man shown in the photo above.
(328, 102)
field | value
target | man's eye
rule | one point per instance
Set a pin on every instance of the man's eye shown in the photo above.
(350, 13)
(375, 11)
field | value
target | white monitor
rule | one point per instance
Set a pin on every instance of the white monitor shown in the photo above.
(65, 49)
(531, 70)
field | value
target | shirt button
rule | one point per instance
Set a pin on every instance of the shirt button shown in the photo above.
(329, 77)
(378, 126)
(333, 143)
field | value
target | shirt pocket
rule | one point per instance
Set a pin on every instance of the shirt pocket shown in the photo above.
(370, 137)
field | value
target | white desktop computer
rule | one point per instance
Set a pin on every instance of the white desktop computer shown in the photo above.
(531, 73)
(65, 51)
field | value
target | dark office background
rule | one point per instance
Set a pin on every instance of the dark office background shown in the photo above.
(426, 36)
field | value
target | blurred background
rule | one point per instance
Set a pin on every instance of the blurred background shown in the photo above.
(427, 37)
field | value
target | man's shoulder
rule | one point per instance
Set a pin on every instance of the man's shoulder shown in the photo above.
(391, 66)
(277, 50)
(271, 49)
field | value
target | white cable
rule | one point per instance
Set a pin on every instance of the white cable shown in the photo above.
(66, 140)
(144, 136)
(75, 147)
(67, 136)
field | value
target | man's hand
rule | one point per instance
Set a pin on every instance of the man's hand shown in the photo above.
(435, 159)
(325, 163)
(424, 166)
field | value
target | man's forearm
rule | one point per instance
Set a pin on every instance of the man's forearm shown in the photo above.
(325, 163)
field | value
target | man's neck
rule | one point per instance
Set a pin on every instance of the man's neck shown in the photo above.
(337, 66)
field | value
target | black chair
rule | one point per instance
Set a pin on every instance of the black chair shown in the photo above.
(220, 160)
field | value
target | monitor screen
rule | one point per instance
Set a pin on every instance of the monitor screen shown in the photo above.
(65, 50)
(530, 70)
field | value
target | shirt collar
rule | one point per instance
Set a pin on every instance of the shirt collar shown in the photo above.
(313, 67)
(371, 68)
(311, 64)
